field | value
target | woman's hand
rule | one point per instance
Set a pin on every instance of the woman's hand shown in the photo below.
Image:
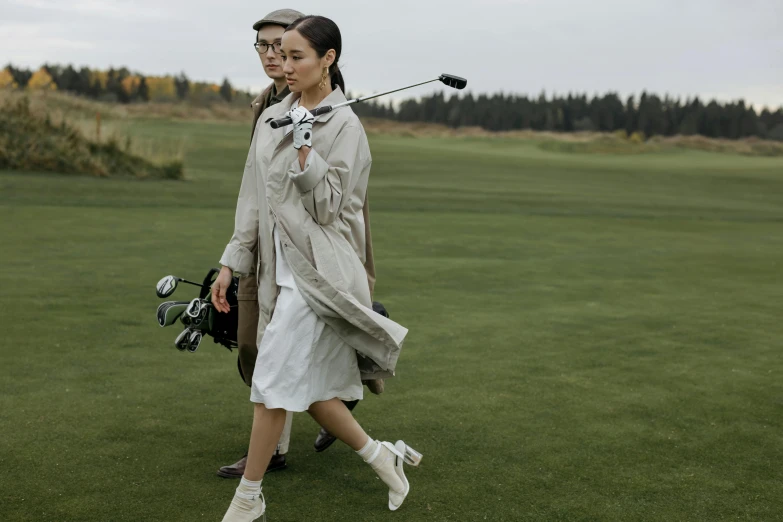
(219, 288)
(303, 127)
(303, 153)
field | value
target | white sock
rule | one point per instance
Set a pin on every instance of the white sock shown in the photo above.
(369, 449)
(250, 487)
(244, 509)
(382, 461)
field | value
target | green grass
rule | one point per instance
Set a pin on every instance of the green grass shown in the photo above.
(593, 337)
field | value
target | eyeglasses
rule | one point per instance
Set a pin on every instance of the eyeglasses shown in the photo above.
(263, 48)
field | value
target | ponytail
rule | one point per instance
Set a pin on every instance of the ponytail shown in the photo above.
(337, 78)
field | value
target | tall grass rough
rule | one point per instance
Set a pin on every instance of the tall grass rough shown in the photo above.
(32, 141)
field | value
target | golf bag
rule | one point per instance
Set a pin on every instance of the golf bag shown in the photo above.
(199, 316)
(222, 326)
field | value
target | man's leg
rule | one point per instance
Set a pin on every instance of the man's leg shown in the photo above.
(247, 326)
(285, 437)
(278, 459)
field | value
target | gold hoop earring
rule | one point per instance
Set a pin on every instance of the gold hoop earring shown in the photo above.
(324, 76)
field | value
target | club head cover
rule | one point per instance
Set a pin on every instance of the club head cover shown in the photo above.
(170, 311)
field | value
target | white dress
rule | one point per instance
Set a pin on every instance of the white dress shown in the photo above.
(301, 360)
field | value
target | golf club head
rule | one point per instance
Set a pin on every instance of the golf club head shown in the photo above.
(194, 340)
(194, 308)
(453, 81)
(170, 311)
(203, 322)
(166, 286)
(182, 340)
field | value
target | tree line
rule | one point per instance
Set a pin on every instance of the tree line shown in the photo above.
(120, 85)
(647, 115)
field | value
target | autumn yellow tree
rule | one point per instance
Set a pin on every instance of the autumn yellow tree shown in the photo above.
(41, 80)
(130, 85)
(161, 88)
(204, 93)
(7, 80)
(100, 76)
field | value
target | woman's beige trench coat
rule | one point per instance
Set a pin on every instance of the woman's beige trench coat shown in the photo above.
(318, 212)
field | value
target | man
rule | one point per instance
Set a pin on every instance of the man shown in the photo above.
(269, 32)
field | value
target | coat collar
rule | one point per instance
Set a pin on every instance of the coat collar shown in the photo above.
(259, 98)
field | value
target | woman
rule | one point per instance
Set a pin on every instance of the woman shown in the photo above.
(301, 204)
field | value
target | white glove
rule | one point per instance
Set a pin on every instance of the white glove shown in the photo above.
(303, 127)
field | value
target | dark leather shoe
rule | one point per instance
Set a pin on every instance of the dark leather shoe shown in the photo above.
(277, 463)
(323, 440)
(237, 469)
(375, 385)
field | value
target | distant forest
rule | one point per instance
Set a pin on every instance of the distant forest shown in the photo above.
(646, 115)
(120, 85)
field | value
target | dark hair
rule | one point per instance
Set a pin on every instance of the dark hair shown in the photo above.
(323, 34)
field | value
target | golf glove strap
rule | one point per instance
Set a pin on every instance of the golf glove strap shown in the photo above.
(303, 127)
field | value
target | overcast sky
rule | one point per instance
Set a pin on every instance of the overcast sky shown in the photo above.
(714, 48)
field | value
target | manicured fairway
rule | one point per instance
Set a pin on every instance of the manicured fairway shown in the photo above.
(592, 338)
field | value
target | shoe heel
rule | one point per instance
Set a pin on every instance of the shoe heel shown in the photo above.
(411, 456)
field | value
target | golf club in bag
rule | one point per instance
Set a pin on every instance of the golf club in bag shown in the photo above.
(170, 311)
(200, 318)
(448, 79)
(168, 284)
(198, 315)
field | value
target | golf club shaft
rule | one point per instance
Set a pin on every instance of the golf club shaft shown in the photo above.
(370, 97)
(190, 282)
(282, 122)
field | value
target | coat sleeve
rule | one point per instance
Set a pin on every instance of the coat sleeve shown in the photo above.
(326, 184)
(239, 253)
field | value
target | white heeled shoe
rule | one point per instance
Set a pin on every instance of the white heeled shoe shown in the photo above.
(238, 511)
(388, 461)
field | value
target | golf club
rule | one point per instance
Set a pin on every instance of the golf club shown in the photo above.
(204, 320)
(170, 311)
(194, 340)
(197, 309)
(182, 340)
(448, 79)
(168, 284)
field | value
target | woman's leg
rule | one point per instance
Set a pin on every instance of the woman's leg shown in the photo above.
(338, 420)
(384, 457)
(248, 503)
(267, 428)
